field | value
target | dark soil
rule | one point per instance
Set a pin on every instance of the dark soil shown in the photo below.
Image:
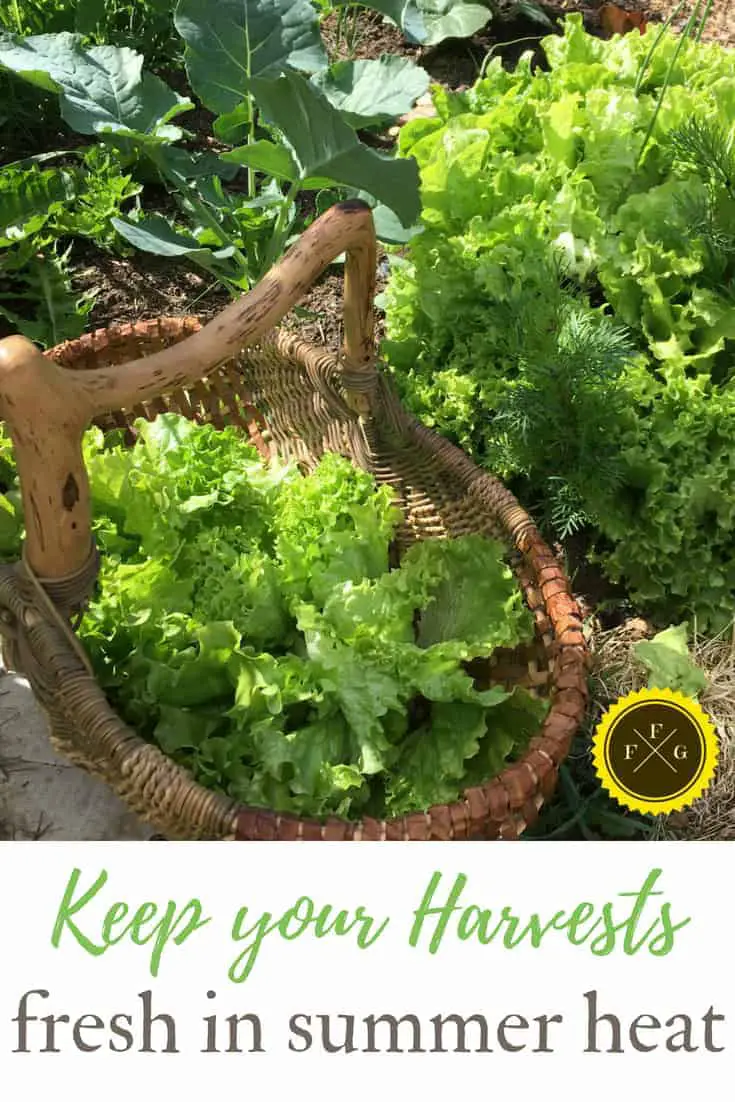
(143, 286)
(595, 594)
(454, 63)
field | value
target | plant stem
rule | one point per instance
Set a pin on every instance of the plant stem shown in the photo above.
(654, 46)
(202, 294)
(48, 299)
(275, 248)
(206, 216)
(705, 20)
(339, 30)
(515, 42)
(251, 112)
(354, 38)
(18, 20)
(251, 141)
(679, 47)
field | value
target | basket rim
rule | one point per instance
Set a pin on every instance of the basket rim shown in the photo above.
(501, 807)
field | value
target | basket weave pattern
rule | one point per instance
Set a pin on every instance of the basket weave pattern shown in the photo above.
(296, 401)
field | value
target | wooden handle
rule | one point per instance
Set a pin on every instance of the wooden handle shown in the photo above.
(47, 408)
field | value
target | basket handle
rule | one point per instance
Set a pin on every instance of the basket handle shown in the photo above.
(48, 408)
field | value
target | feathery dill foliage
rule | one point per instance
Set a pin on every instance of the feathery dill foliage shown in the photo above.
(558, 419)
(708, 149)
(705, 146)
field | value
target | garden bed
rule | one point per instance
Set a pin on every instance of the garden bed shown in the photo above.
(103, 280)
(140, 286)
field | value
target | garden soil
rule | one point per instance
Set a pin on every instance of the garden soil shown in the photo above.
(720, 25)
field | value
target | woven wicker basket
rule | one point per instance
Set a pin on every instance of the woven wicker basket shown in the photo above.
(296, 400)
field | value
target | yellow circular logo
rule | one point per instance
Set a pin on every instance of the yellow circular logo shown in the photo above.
(655, 751)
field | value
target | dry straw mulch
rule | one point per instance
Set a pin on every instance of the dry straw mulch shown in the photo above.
(617, 673)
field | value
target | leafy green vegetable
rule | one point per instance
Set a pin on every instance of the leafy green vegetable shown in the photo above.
(431, 21)
(234, 41)
(242, 60)
(566, 313)
(36, 292)
(29, 197)
(667, 658)
(372, 92)
(154, 234)
(326, 148)
(247, 622)
(332, 530)
(50, 203)
(101, 89)
(103, 190)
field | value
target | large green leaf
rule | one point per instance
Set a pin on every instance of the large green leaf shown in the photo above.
(267, 157)
(100, 89)
(192, 166)
(368, 93)
(431, 21)
(154, 234)
(435, 757)
(230, 42)
(326, 147)
(388, 227)
(234, 126)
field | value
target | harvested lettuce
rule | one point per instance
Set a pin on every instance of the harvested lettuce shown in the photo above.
(248, 623)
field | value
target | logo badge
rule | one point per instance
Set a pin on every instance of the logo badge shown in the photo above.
(655, 751)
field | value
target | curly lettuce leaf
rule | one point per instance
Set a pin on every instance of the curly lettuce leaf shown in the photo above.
(604, 184)
(248, 623)
(182, 478)
(435, 758)
(332, 527)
